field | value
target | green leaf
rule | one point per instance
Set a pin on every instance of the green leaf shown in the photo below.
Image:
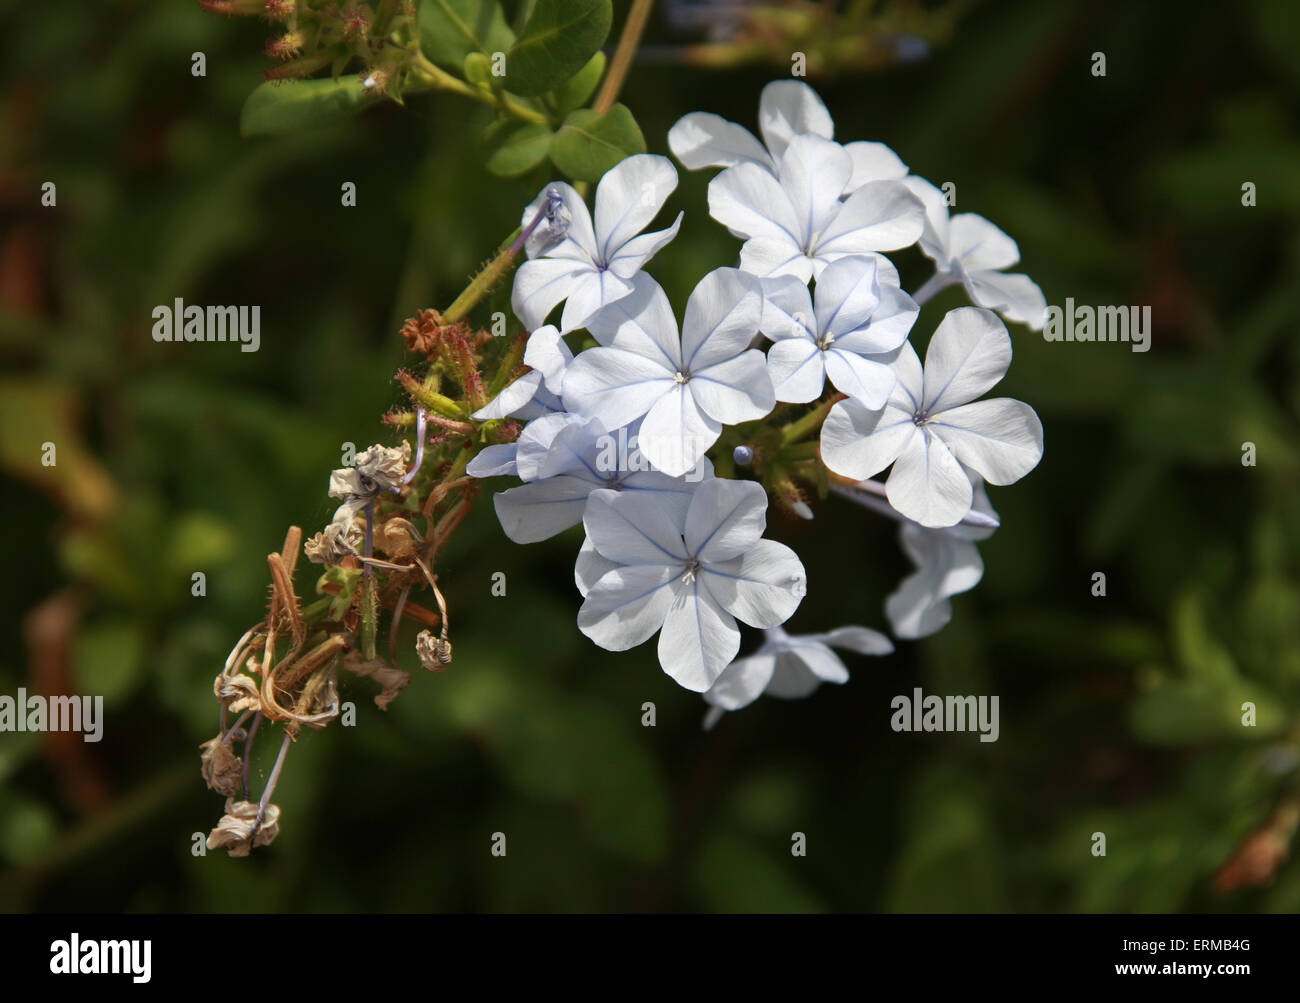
(589, 144)
(451, 29)
(574, 92)
(557, 42)
(277, 107)
(513, 147)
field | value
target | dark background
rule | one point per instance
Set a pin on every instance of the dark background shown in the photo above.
(1118, 715)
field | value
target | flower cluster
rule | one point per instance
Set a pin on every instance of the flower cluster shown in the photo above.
(795, 367)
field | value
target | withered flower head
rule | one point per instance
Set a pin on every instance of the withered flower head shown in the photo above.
(385, 466)
(238, 692)
(434, 652)
(346, 483)
(238, 831)
(336, 541)
(222, 769)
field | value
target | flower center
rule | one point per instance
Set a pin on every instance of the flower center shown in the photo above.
(825, 342)
(692, 569)
(681, 378)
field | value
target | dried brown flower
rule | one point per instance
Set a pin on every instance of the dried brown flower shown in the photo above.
(222, 769)
(238, 831)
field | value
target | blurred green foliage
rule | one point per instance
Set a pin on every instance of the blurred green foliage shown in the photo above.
(1119, 714)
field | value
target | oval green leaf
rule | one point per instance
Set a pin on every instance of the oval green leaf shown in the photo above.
(275, 108)
(513, 147)
(559, 39)
(589, 143)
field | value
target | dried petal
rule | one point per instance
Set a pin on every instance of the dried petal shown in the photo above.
(222, 769)
(335, 542)
(434, 652)
(238, 831)
(384, 465)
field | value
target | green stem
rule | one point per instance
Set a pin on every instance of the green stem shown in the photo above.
(812, 420)
(623, 54)
(428, 76)
(482, 283)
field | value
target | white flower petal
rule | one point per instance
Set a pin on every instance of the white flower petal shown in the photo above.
(734, 390)
(628, 197)
(632, 256)
(1016, 297)
(788, 108)
(533, 448)
(934, 238)
(540, 509)
(870, 382)
(888, 327)
(627, 605)
(762, 587)
(847, 294)
(615, 385)
(879, 216)
(979, 246)
(725, 519)
(771, 257)
(787, 309)
(873, 162)
(702, 139)
(859, 639)
(547, 352)
(698, 639)
(542, 283)
(927, 484)
(631, 528)
(590, 567)
(945, 566)
(797, 370)
(813, 173)
(591, 291)
(1000, 439)
(511, 399)
(969, 352)
(801, 668)
(859, 442)
(493, 461)
(742, 682)
(676, 433)
(641, 322)
(722, 317)
(749, 202)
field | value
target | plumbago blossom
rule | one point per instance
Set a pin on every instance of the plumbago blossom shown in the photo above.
(617, 437)
(800, 219)
(848, 330)
(787, 108)
(690, 579)
(585, 264)
(685, 388)
(947, 560)
(932, 424)
(789, 667)
(967, 248)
